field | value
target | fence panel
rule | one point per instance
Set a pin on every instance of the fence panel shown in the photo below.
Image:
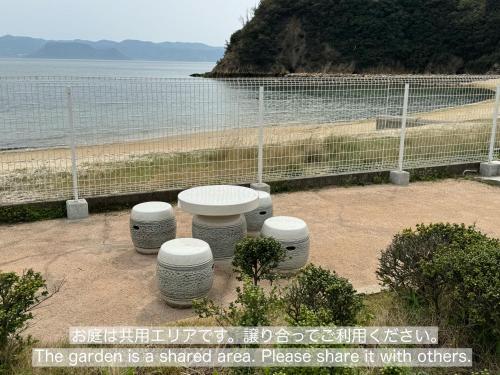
(147, 134)
(163, 134)
(35, 163)
(335, 129)
(453, 126)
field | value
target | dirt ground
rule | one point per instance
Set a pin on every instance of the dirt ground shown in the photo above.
(108, 283)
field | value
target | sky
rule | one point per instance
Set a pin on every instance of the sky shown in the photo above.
(207, 21)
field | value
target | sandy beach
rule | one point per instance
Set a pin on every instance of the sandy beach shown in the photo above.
(243, 137)
(16, 165)
(57, 159)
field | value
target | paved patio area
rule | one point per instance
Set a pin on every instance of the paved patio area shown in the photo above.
(108, 283)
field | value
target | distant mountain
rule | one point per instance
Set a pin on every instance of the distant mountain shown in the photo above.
(18, 46)
(136, 49)
(12, 46)
(74, 50)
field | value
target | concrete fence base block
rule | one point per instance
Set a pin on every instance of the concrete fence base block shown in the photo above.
(489, 169)
(77, 209)
(400, 178)
(261, 186)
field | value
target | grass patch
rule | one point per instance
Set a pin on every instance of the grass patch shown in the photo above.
(380, 309)
(32, 212)
(347, 157)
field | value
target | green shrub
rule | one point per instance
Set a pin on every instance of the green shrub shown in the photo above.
(319, 297)
(452, 274)
(257, 258)
(400, 264)
(469, 293)
(19, 294)
(252, 307)
(391, 370)
(32, 212)
(482, 372)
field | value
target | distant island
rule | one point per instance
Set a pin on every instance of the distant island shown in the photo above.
(75, 50)
(26, 47)
(366, 36)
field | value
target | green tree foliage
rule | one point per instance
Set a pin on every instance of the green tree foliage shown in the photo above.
(257, 258)
(415, 36)
(400, 263)
(450, 274)
(19, 294)
(391, 370)
(252, 307)
(318, 297)
(469, 293)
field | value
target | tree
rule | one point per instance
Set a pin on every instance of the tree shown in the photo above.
(19, 296)
(257, 258)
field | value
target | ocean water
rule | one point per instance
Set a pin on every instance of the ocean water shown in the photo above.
(101, 68)
(117, 101)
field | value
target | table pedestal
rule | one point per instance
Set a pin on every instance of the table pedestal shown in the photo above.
(220, 232)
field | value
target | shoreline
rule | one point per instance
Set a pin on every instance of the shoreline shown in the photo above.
(234, 75)
(489, 84)
(57, 159)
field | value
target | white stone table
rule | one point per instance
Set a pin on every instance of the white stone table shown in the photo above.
(218, 215)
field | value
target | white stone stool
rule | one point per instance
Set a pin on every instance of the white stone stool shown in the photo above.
(220, 232)
(293, 235)
(255, 218)
(185, 271)
(152, 224)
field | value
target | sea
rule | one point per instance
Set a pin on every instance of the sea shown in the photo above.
(101, 68)
(117, 101)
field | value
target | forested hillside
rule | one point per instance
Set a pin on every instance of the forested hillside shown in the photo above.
(367, 36)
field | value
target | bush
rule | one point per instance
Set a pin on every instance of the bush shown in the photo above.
(469, 293)
(319, 297)
(257, 258)
(251, 308)
(391, 370)
(452, 274)
(18, 296)
(400, 264)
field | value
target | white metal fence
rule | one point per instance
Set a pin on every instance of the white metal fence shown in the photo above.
(66, 136)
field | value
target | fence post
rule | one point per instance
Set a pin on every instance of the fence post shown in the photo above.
(388, 93)
(400, 177)
(260, 165)
(403, 128)
(74, 167)
(494, 127)
(75, 208)
(492, 168)
(260, 155)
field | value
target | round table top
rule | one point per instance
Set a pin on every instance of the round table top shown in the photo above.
(218, 200)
